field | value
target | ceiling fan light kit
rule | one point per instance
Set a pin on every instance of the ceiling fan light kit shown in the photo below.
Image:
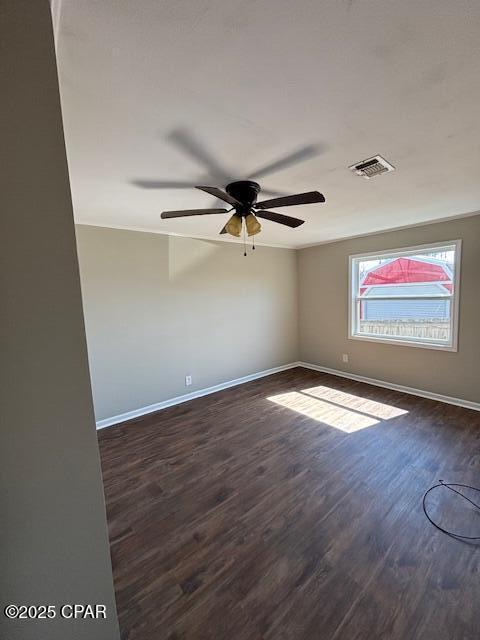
(242, 196)
(234, 226)
(253, 225)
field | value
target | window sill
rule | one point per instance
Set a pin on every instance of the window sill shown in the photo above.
(405, 343)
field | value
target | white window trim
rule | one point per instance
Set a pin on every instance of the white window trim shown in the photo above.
(411, 342)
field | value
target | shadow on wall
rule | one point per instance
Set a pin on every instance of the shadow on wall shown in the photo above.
(194, 259)
(186, 256)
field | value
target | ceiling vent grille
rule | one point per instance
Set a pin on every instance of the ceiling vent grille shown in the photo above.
(372, 167)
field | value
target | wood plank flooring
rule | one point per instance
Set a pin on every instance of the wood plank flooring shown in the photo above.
(236, 517)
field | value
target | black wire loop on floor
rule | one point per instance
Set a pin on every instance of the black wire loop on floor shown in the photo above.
(450, 485)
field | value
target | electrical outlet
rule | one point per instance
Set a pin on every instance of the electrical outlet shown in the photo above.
(188, 381)
(344, 357)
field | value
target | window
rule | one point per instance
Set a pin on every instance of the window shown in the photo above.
(407, 296)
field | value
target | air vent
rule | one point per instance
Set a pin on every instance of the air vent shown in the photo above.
(372, 167)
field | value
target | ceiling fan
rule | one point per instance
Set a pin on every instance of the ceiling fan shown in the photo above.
(242, 196)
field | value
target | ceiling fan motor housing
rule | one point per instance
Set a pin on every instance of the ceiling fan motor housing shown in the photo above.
(246, 192)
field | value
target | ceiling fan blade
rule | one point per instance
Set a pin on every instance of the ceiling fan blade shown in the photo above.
(288, 201)
(280, 218)
(222, 195)
(289, 160)
(190, 212)
(163, 184)
(223, 230)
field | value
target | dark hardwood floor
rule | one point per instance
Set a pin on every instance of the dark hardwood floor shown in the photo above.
(236, 517)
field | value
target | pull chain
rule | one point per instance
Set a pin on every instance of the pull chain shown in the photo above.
(244, 242)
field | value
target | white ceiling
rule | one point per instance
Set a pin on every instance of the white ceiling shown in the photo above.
(250, 81)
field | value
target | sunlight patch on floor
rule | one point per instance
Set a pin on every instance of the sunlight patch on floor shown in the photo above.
(357, 403)
(334, 416)
(344, 411)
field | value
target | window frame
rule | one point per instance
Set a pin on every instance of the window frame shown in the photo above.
(353, 261)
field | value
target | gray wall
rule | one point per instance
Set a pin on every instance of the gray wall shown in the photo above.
(323, 314)
(160, 307)
(53, 537)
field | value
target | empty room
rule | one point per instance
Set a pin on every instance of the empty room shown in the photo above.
(240, 320)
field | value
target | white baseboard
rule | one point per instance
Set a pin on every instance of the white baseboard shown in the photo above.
(152, 408)
(467, 404)
(136, 413)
